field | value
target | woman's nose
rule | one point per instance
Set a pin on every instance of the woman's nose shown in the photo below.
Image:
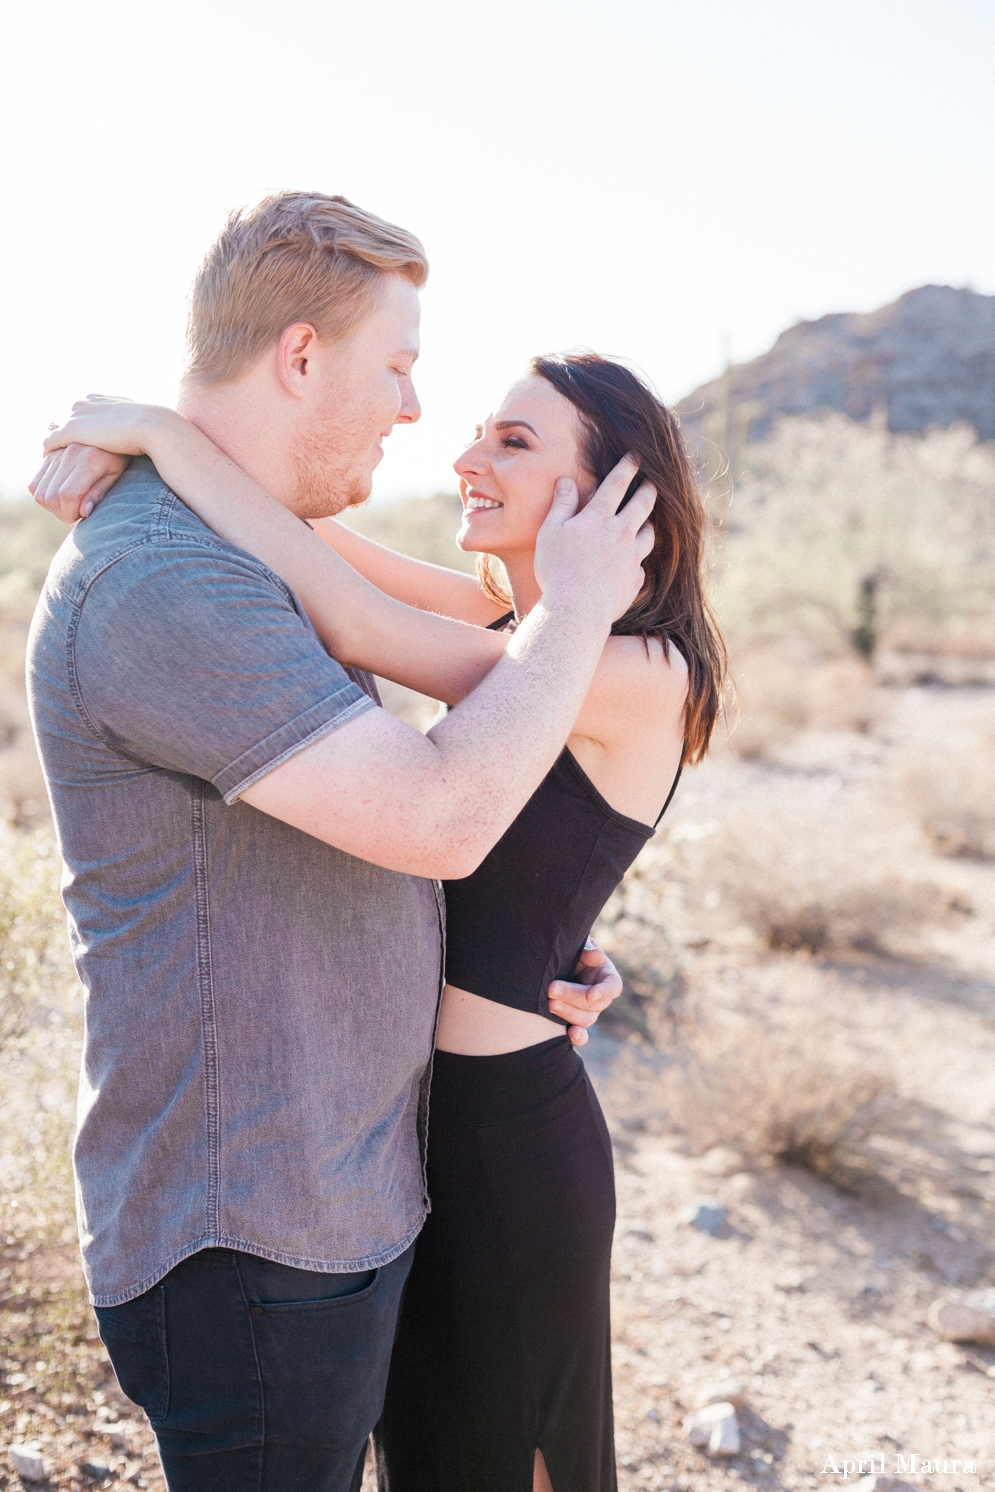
(471, 462)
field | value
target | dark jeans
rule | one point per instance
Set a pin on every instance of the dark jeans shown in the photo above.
(256, 1377)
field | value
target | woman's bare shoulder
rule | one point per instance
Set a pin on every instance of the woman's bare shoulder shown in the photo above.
(640, 683)
(646, 664)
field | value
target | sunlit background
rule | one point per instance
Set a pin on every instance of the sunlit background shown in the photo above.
(673, 180)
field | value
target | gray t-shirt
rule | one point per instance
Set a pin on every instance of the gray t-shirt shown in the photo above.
(259, 1006)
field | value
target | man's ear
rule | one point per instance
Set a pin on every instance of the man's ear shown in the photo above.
(294, 352)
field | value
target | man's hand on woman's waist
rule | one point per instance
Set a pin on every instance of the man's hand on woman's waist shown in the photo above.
(598, 984)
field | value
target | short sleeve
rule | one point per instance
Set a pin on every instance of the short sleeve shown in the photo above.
(198, 660)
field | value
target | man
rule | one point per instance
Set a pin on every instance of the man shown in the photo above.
(251, 854)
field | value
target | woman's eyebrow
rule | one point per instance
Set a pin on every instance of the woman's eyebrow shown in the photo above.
(509, 424)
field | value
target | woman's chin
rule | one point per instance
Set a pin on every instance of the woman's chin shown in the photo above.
(468, 542)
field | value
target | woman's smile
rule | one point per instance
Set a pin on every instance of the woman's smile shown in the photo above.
(477, 502)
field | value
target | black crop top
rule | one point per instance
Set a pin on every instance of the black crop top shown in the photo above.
(522, 918)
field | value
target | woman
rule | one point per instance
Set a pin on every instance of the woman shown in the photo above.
(501, 1372)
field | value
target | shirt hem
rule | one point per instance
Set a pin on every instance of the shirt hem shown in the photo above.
(246, 1246)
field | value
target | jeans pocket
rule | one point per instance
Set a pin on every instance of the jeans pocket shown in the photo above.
(324, 1363)
(135, 1337)
(350, 1289)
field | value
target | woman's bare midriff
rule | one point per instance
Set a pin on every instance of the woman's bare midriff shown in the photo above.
(474, 1027)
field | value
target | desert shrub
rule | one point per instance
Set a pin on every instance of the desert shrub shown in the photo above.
(866, 917)
(796, 1096)
(28, 539)
(953, 798)
(799, 888)
(787, 688)
(634, 929)
(34, 954)
(848, 533)
(23, 798)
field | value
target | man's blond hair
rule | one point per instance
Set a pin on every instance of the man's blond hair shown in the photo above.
(298, 256)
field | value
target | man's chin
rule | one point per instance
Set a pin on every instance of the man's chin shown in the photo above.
(357, 495)
(326, 500)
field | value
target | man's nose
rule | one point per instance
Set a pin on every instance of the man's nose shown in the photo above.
(410, 410)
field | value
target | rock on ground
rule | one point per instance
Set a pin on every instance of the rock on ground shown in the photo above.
(956, 1322)
(714, 1428)
(28, 1462)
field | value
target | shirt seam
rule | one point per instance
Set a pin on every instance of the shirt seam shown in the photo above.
(162, 533)
(425, 1086)
(75, 688)
(208, 1014)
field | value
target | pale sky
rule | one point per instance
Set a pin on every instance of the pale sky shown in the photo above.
(652, 178)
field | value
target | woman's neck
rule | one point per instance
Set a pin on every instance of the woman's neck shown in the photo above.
(521, 573)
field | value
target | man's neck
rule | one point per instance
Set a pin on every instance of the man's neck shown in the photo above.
(241, 420)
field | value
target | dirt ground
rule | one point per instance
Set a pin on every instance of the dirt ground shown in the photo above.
(812, 1292)
(813, 1296)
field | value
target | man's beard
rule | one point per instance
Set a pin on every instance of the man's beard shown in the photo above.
(327, 483)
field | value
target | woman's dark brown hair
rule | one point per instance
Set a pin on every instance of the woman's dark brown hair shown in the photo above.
(620, 413)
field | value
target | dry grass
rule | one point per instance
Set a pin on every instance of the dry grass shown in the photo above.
(787, 688)
(799, 1096)
(795, 894)
(34, 957)
(953, 797)
(57, 1379)
(28, 539)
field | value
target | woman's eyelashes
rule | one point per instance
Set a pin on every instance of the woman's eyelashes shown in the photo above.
(514, 443)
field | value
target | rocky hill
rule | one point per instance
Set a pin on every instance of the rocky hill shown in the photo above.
(928, 359)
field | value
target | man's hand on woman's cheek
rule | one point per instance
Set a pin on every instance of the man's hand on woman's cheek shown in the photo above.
(597, 984)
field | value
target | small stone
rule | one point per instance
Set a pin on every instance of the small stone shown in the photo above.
(96, 1469)
(715, 1428)
(705, 1214)
(722, 1391)
(795, 1279)
(121, 1433)
(28, 1461)
(698, 1433)
(721, 1161)
(961, 1323)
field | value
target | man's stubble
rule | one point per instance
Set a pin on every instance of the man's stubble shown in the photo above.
(329, 470)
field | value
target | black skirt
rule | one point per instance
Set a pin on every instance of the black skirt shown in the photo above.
(503, 1346)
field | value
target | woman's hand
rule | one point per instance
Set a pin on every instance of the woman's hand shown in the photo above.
(72, 481)
(114, 424)
(83, 460)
